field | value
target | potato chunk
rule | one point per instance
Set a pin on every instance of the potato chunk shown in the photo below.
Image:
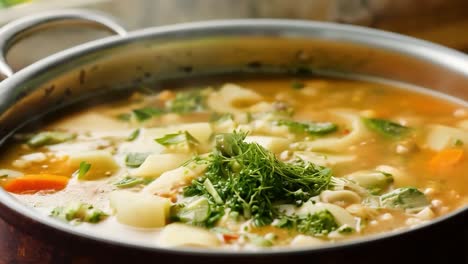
(169, 181)
(140, 209)
(156, 164)
(102, 163)
(178, 234)
(441, 137)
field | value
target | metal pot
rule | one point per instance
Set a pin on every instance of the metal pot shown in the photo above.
(218, 47)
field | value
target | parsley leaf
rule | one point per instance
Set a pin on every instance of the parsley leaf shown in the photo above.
(187, 102)
(135, 159)
(146, 113)
(128, 182)
(296, 85)
(49, 138)
(313, 128)
(182, 139)
(83, 169)
(385, 127)
(133, 135)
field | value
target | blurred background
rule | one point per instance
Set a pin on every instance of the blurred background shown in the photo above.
(441, 21)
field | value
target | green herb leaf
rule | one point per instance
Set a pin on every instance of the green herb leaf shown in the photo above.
(78, 212)
(196, 212)
(313, 128)
(297, 85)
(317, 224)
(124, 117)
(220, 117)
(404, 198)
(386, 128)
(260, 241)
(143, 114)
(211, 190)
(84, 168)
(49, 138)
(128, 182)
(187, 102)
(182, 139)
(458, 143)
(133, 135)
(135, 159)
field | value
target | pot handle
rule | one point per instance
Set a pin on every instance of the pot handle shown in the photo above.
(15, 30)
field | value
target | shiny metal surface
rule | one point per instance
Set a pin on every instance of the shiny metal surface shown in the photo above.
(13, 31)
(197, 49)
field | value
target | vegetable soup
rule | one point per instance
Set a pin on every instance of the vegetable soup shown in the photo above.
(246, 163)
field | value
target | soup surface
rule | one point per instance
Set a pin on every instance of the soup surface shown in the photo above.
(246, 163)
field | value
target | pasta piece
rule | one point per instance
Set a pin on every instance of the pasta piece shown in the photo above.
(336, 144)
(146, 143)
(156, 164)
(400, 177)
(341, 198)
(232, 98)
(426, 214)
(140, 209)
(324, 159)
(374, 180)
(92, 122)
(302, 241)
(265, 127)
(342, 217)
(102, 163)
(274, 144)
(177, 234)
(441, 137)
(169, 181)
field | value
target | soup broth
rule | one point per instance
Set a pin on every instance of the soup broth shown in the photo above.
(246, 163)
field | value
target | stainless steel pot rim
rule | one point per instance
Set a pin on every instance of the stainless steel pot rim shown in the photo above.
(265, 27)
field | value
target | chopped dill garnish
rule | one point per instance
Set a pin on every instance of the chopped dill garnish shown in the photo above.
(248, 179)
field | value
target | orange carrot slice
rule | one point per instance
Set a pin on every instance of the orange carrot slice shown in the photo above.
(36, 182)
(446, 158)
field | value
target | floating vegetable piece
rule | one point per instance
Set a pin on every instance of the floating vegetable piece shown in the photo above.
(49, 138)
(93, 164)
(312, 128)
(79, 212)
(140, 209)
(31, 183)
(135, 159)
(386, 128)
(404, 198)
